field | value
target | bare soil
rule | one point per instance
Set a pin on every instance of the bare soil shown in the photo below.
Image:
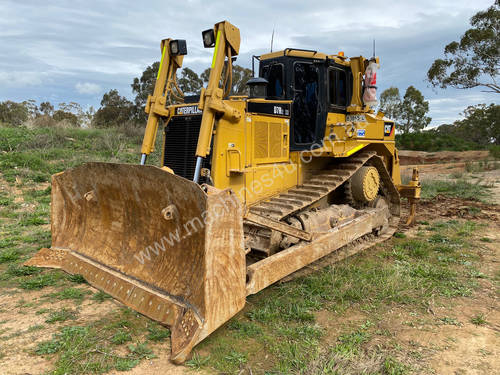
(422, 157)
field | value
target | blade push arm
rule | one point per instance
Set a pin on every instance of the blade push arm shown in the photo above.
(156, 103)
(227, 45)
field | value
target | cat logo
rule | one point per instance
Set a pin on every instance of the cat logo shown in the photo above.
(388, 127)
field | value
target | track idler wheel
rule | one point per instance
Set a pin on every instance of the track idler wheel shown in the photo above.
(365, 184)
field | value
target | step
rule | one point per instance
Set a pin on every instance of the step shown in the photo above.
(315, 187)
(307, 192)
(265, 211)
(302, 197)
(280, 199)
(276, 204)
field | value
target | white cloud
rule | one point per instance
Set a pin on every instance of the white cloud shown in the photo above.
(88, 88)
(450, 106)
(21, 79)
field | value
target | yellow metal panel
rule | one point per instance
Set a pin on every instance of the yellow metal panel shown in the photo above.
(268, 180)
(228, 152)
(307, 164)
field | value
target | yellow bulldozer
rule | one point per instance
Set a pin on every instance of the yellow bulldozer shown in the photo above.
(250, 190)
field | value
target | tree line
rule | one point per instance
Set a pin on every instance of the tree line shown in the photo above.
(115, 110)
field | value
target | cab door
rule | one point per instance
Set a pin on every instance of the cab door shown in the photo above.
(308, 108)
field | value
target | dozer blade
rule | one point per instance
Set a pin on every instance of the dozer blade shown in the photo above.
(156, 242)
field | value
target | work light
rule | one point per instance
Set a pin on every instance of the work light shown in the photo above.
(178, 47)
(208, 38)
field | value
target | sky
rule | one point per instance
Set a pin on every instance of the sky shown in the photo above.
(63, 51)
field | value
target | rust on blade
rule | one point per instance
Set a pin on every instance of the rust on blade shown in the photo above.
(156, 242)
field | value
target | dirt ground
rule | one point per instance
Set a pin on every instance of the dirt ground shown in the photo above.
(442, 157)
(461, 348)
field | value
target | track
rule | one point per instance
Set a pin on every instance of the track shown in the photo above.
(316, 188)
(322, 184)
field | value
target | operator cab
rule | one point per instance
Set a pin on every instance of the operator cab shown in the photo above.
(315, 83)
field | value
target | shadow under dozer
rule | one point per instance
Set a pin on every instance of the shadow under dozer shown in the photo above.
(158, 243)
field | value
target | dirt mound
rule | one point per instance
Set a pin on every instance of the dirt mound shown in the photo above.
(449, 207)
(422, 157)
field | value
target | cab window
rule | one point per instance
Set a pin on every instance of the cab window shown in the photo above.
(305, 102)
(337, 87)
(275, 76)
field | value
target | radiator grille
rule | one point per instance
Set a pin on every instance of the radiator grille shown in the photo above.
(275, 139)
(181, 139)
(269, 141)
(261, 139)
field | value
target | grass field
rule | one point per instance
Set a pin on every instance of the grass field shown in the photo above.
(366, 315)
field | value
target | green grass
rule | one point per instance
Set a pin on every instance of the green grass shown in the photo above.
(156, 332)
(101, 296)
(450, 321)
(141, 350)
(36, 327)
(41, 281)
(9, 255)
(77, 279)
(478, 320)
(35, 154)
(110, 344)
(197, 362)
(121, 337)
(349, 344)
(16, 270)
(481, 166)
(5, 199)
(74, 294)
(460, 188)
(495, 151)
(61, 315)
(348, 355)
(244, 328)
(79, 354)
(394, 367)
